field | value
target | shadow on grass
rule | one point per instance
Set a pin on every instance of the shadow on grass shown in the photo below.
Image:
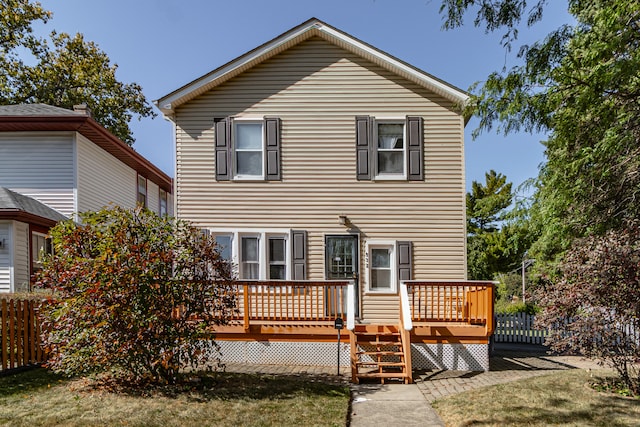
(28, 381)
(203, 386)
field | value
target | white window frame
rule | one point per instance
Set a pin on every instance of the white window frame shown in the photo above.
(263, 249)
(236, 175)
(163, 196)
(143, 193)
(391, 176)
(36, 259)
(393, 265)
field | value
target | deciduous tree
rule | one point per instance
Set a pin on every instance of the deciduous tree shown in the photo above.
(67, 70)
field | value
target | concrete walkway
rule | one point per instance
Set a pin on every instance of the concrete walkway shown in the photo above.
(409, 405)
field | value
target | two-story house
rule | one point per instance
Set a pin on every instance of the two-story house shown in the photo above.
(55, 163)
(317, 157)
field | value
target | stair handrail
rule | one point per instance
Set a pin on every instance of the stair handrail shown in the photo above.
(351, 305)
(405, 311)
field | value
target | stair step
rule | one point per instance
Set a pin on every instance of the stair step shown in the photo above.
(383, 375)
(380, 353)
(381, 364)
(383, 343)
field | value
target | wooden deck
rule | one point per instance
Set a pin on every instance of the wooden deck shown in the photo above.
(436, 311)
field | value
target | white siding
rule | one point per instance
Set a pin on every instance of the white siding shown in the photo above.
(39, 165)
(318, 89)
(5, 257)
(153, 197)
(103, 179)
(22, 256)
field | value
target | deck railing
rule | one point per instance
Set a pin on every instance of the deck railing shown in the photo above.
(292, 301)
(466, 302)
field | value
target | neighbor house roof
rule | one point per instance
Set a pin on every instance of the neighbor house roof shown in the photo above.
(23, 208)
(304, 31)
(43, 118)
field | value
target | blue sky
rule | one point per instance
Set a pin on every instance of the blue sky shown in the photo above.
(164, 44)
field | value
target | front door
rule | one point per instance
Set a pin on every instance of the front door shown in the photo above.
(341, 260)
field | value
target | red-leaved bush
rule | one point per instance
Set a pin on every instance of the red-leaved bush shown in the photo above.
(594, 309)
(134, 295)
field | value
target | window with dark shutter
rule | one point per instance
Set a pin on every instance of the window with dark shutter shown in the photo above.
(223, 148)
(299, 249)
(272, 138)
(364, 144)
(405, 262)
(415, 146)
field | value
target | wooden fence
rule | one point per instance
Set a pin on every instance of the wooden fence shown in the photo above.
(518, 327)
(20, 330)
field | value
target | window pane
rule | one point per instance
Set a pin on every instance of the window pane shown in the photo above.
(250, 249)
(390, 136)
(250, 270)
(277, 272)
(249, 136)
(249, 162)
(390, 162)
(380, 279)
(224, 246)
(380, 258)
(276, 250)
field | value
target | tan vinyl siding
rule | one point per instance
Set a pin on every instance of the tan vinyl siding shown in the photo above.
(22, 256)
(39, 165)
(103, 179)
(317, 89)
(5, 257)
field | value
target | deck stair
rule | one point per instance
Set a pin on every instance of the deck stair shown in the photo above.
(377, 352)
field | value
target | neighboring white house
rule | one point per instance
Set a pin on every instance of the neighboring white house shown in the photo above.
(55, 163)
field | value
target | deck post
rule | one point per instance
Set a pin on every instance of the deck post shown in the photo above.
(246, 305)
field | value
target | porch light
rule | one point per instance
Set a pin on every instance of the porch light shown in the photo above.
(344, 220)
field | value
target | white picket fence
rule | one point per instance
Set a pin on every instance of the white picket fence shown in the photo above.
(518, 327)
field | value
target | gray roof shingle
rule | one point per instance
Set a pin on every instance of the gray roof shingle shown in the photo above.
(36, 110)
(10, 200)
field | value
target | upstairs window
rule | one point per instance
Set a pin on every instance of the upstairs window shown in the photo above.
(142, 191)
(389, 149)
(163, 203)
(391, 154)
(247, 149)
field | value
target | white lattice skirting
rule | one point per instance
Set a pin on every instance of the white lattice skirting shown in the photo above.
(469, 357)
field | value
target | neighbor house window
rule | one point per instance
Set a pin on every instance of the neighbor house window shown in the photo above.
(391, 149)
(142, 191)
(40, 247)
(381, 267)
(277, 255)
(164, 199)
(249, 149)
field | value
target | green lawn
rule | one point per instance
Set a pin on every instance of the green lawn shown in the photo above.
(39, 398)
(562, 398)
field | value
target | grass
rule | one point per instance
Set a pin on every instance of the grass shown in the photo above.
(40, 398)
(563, 398)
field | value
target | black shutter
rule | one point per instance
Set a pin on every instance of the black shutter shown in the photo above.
(405, 260)
(223, 148)
(364, 143)
(415, 148)
(299, 250)
(272, 138)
